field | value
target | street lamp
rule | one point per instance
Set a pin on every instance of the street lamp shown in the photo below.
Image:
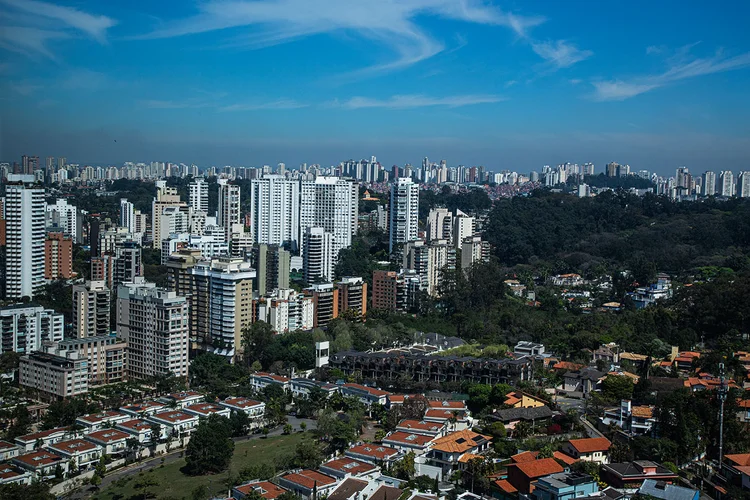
(722, 392)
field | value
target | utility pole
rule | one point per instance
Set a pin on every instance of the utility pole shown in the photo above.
(722, 392)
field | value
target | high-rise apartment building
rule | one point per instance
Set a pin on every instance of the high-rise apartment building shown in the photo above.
(330, 203)
(54, 375)
(440, 225)
(325, 303)
(352, 295)
(726, 183)
(198, 195)
(473, 249)
(228, 215)
(286, 311)
(274, 211)
(24, 235)
(463, 227)
(221, 303)
(165, 197)
(743, 184)
(392, 291)
(318, 259)
(271, 264)
(404, 212)
(127, 215)
(91, 309)
(709, 183)
(66, 217)
(106, 356)
(58, 257)
(24, 327)
(429, 261)
(154, 323)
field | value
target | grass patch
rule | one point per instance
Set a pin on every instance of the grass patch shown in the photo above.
(173, 484)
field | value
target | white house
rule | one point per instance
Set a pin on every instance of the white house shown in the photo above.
(42, 439)
(175, 422)
(85, 453)
(112, 441)
(206, 409)
(138, 428)
(97, 421)
(42, 464)
(588, 449)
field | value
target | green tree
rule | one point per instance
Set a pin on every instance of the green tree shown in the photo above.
(210, 448)
(307, 454)
(406, 467)
(239, 421)
(617, 387)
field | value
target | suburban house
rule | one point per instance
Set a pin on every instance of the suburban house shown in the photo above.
(666, 491)
(526, 348)
(265, 489)
(367, 395)
(588, 449)
(207, 409)
(143, 409)
(183, 399)
(456, 420)
(736, 469)
(421, 427)
(348, 489)
(261, 380)
(399, 399)
(373, 453)
(609, 353)
(510, 417)
(42, 439)
(85, 453)
(632, 474)
(308, 484)
(635, 420)
(523, 476)
(42, 464)
(301, 387)
(519, 399)
(584, 381)
(140, 429)
(254, 409)
(349, 467)
(743, 411)
(408, 441)
(175, 422)
(446, 452)
(112, 441)
(8, 450)
(565, 485)
(13, 474)
(97, 421)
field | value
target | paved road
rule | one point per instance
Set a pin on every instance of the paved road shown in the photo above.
(171, 457)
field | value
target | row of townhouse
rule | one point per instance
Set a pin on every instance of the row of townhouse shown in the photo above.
(43, 454)
(301, 387)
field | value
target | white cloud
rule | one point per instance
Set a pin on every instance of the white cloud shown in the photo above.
(388, 23)
(560, 53)
(29, 41)
(24, 88)
(278, 104)
(94, 26)
(618, 89)
(169, 104)
(416, 101)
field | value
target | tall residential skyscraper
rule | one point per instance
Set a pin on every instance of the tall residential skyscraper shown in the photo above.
(743, 184)
(271, 264)
(726, 183)
(91, 309)
(463, 227)
(24, 232)
(23, 328)
(154, 324)
(439, 224)
(274, 211)
(229, 208)
(127, 215)
(198, 197)
(404, 212)
(332, 204)
(165, 197)
(709, 183)
(318, 259)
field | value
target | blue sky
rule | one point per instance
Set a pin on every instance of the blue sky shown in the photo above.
(513, 85)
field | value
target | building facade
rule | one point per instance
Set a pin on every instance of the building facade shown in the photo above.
(274, 212)
(24, 236)
(58, 257)
(24, 327)
(404, 212)
(91, 309)
(54, 375)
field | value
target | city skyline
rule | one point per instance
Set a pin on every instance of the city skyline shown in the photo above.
(275, 82)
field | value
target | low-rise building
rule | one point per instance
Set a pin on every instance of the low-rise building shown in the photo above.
(665, 491)
(207, 409)
(261, 380)
(565, 485)
(301, 387)
(54, 376)
(183, 399)
(96, 421)
(373, 453)
(12, 474)
(41, 439)
(635, 420)
(433, 429)
(175, 422)
(42, 464)
(112, 441)
(631, 475)
(447, 451)
(583, 381)
(308, 483)
(455, 420)
(8, 450)
(589, 449)
(510, 417)
(526, 348)
(139, 429)
(85, 453)
(518, 399)
(254, 409)
(522, 476)
(408, 441)
(366, 395)
(342, 468)
(265, 489)
(143, 409)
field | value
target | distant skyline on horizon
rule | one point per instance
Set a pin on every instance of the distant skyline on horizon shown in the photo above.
(505, 84)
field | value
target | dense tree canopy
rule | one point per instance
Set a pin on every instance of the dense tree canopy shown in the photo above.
(210, 448)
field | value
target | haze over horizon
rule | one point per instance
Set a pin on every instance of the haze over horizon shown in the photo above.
(503, 84)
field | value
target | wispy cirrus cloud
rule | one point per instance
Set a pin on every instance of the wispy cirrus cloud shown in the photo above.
(212, 100)
(560, 53)
(390, 24)
(416, 101)
(24, 88)
(29, 25)
(257, 106)
(681, 67)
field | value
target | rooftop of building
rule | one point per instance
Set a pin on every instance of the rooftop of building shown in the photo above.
(460, 441)
(590, 445)
(73, 446)
(265, 489)
(108, 435)
(373, 451)
(350, 466)
(39, 458)
(309, 479)
(241, 402)
(174, 417)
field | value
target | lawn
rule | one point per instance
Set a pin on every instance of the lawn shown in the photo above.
(173, 484)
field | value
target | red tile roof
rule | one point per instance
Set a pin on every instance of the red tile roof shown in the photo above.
(374, 451)
(408, 438)
(526, 456)
(454, 405)
(273, 376)
(371, 390)
(205, 408)
(108, 435)
(39, 458)
(459, 442)
(439, 413)
(41, 434)
(5, 445)
(567, 460)
(266, 489)
(242, 402)
(175, 416)
(417, 425)
(309, 478)
(741, 459)
(505, 486)
(95, 418)
(590, 445)
(136, 424)
(539, 468)
(73, 446)
(349, 466)
(180, 396)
